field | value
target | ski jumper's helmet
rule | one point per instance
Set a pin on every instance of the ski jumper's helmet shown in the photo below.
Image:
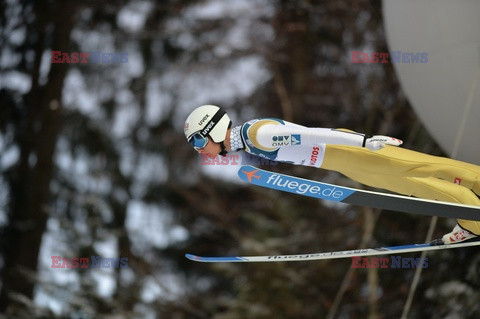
(207, 121)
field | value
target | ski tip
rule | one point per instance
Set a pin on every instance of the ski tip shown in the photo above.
(193, 257)
(215, 259)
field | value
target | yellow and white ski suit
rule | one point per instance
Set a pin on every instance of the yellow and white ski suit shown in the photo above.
(392, 168)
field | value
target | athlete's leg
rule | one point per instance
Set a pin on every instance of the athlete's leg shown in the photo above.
(425, 187)
(428, 188)
(400, 162)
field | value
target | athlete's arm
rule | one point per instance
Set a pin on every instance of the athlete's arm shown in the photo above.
(290, 134)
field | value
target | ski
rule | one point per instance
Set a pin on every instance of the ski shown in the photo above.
(435, 245)
(310, 188)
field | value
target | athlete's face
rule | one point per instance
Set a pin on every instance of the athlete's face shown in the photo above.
(211, 150)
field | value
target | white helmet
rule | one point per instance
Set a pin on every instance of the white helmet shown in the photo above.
(208, 121)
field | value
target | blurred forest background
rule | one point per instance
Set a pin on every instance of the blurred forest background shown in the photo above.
(93, 161)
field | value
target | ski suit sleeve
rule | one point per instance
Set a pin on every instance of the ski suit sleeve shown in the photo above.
(288, 142)
(269, 135)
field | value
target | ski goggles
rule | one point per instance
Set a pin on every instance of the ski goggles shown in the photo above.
(198, 141)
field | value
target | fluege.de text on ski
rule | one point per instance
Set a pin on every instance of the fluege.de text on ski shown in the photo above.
(302, 188)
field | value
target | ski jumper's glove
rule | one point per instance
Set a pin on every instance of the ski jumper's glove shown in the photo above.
(377, 142)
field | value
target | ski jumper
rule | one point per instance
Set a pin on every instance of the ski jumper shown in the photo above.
(392, 168)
